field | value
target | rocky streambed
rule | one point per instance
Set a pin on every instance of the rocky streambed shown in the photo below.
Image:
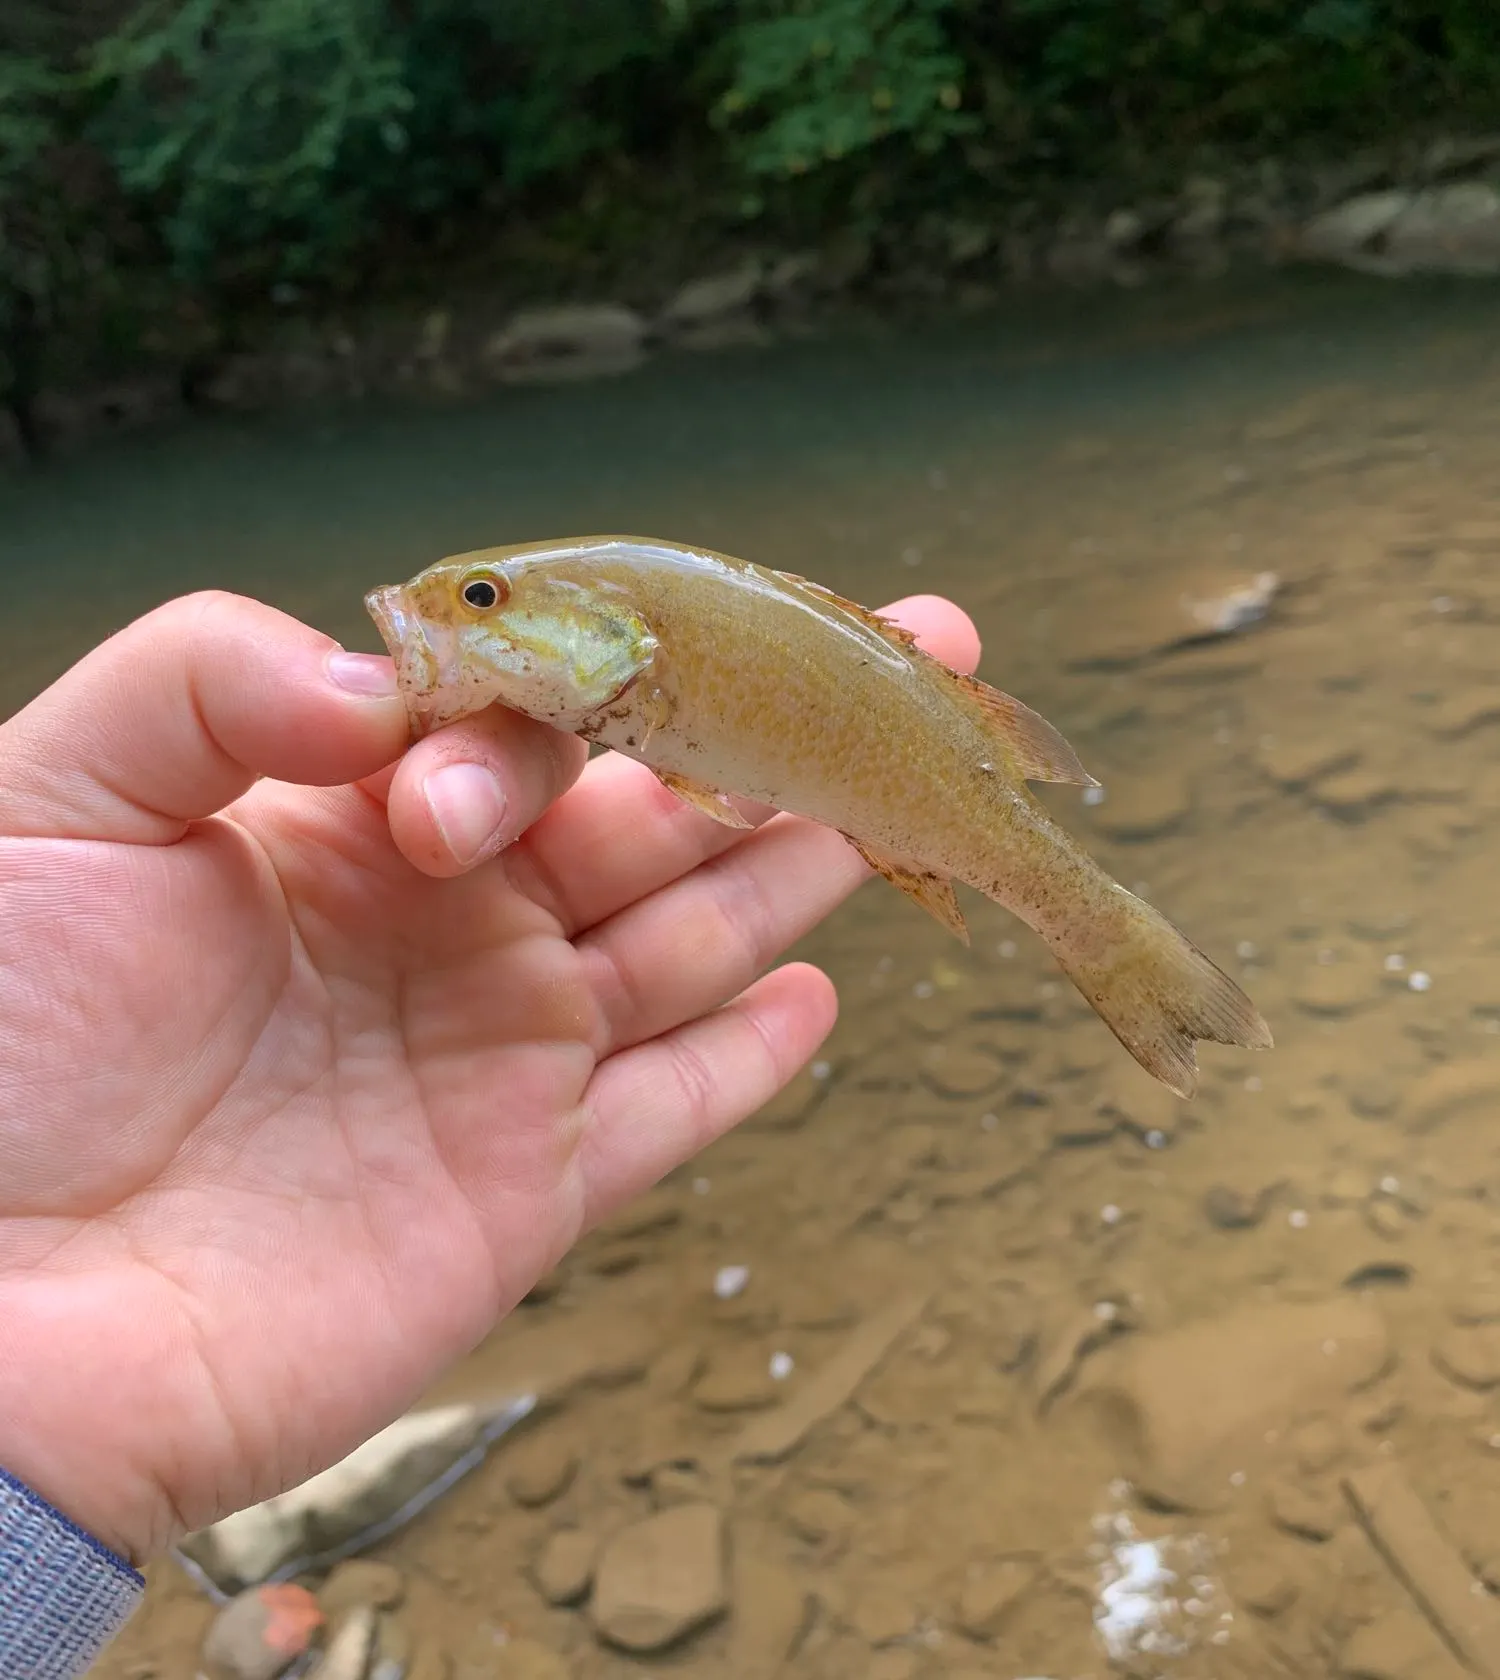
(976, 1354)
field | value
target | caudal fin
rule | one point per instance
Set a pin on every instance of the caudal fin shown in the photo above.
(1160, 995)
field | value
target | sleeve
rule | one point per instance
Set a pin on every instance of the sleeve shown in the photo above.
(63, 1595)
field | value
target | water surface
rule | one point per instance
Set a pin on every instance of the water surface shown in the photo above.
(1314, 800)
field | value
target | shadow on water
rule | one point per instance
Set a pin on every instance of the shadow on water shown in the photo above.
(1307, 1258)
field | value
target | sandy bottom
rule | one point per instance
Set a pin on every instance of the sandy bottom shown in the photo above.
(1061, 1377)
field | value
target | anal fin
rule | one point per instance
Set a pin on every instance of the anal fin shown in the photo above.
(932, 891)
(702, 798)
(1035, 747)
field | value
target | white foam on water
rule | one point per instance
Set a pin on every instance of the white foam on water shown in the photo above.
(1154, 1597)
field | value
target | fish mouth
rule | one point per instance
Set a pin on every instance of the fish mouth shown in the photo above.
(425, 662)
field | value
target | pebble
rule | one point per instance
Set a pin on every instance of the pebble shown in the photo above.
(1348, 1187)
(881, 1615)
(1076, 1124)
(661, 1578)
(1470, 1355)
(564, 1567)
(1478, 1304)
(1372, 1096)
(820, 1514)
(675, 1371)
(1311, 1513)
(1318, 1445)
(990, 1596)
(351, 1647)
(1262, 1587)
(771, 1610)
(1352, 793)
(361, 1581)
(963, 1069)
(737, 1380)
(1297, 761)
(1466, 710)
(393, 1644)
(1387, 1218)
(540, 1469)
(1230, 1209)
(258, 1634)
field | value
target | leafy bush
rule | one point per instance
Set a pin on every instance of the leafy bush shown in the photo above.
(820, 83)
(253, 124)
(251, 142)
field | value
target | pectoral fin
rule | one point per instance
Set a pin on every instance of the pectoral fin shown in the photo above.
(708, 800)
(932, 891)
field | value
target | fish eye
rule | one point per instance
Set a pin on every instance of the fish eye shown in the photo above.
(485, 590)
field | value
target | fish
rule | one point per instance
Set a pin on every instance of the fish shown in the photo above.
(731, 680)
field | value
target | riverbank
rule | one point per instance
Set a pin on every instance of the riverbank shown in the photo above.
(526, 315)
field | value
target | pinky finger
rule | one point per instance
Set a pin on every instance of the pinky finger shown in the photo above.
(654, 1106)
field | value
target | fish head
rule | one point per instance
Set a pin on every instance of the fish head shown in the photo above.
(500, 627)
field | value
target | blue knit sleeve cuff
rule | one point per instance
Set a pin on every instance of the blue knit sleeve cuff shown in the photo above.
(63, 1595)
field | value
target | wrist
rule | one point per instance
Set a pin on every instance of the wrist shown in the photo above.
(75, 1429)
(16, 1491)
(51, 1484)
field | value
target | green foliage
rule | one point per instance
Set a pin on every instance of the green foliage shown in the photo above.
(243, 123)
(275, 137)
(822, 82)
(236, 144)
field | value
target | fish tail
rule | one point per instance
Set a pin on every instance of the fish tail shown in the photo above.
(1158, 993)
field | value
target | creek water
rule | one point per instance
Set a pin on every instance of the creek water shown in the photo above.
(1156, 1350)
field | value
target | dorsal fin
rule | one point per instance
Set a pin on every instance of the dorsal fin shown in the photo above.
(897, 634)
(1035, 747)
(1038, 749)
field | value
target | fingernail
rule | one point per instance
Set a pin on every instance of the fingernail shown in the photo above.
(369, 675)
(467, 807)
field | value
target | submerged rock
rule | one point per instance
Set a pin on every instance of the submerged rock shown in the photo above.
(564, 1567)
(661, 1578)
(1453, 228)
(713, 298)
(1189, 1408)
(261, 1633)
(370, 1486)
(573, 341)
(1129, 626)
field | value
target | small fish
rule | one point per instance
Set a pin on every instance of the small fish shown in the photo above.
(727, 678)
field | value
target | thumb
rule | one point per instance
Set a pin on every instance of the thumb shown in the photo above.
(179, 713)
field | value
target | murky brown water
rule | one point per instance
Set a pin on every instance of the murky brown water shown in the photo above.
(1202, 1328)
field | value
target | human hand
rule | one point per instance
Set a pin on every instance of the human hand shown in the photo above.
(299, 1097)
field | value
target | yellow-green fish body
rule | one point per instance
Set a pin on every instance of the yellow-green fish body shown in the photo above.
(726, 678)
